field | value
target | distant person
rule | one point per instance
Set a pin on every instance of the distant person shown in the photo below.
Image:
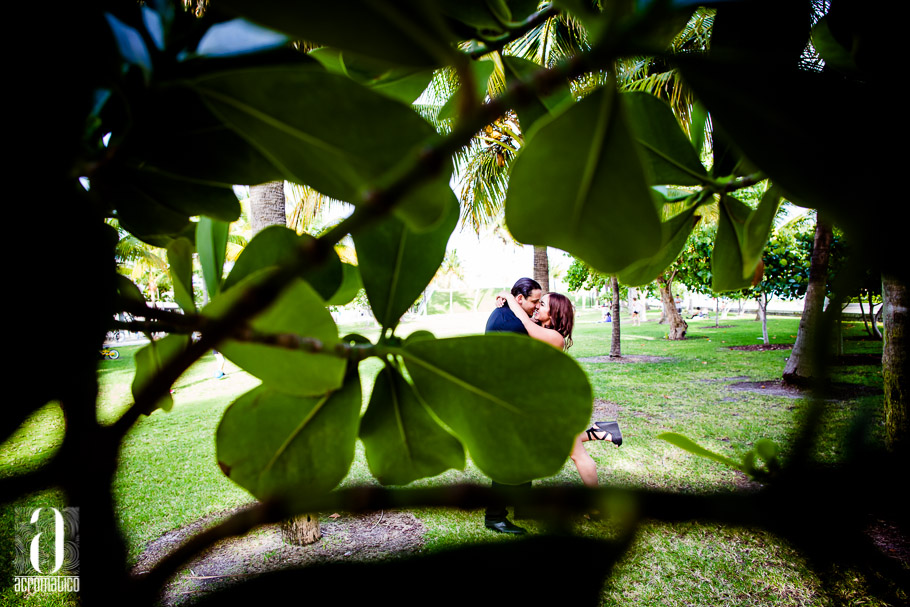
(219, 360)
(636, 313)
(699, 313)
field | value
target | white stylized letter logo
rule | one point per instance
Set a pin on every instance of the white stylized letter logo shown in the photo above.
(58, 541)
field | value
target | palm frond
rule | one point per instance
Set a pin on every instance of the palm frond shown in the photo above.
(311, 209)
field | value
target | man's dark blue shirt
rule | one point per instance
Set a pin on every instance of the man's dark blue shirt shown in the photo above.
(503, 320)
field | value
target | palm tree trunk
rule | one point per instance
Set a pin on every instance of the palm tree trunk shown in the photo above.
(267, 206)
(615, 348)
(542, 268)
(802, 365)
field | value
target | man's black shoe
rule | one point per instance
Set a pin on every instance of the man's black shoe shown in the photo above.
(504, 526)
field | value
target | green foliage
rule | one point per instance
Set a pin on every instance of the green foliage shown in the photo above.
(180, 259)
(193, 106)
(595, 178)
(276, 444)
(298, 311)
(149, 361)
(513, 429)
(276, 245)
(211, 242)
(765, 449)
(397, 263)
(403, 442)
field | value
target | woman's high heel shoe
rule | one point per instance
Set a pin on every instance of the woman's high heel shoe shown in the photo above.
(611, 429)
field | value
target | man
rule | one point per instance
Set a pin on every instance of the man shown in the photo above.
(527, 293)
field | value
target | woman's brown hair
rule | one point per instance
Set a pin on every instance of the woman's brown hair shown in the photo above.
(562, 316)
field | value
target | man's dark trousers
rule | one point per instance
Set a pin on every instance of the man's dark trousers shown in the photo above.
(503, 320)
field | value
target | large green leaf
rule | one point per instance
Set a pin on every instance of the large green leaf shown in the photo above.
(403, 442)
(402, 83)
(275, 444)
(276, 245)
(787, 128)
(517, 424)
(672, 159)
(407, 32)
(754, 235)
(517, 69)
(180, 260)
(149, 361)
(128, 291)
(482, 15)
(323, 129)
(727, 257)
(675, 231)
(579, 185)
(298, 310)
(741, 237)
(211, 244)
(351, 284)
(397, 263)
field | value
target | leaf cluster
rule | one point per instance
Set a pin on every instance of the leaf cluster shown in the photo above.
(190, 106)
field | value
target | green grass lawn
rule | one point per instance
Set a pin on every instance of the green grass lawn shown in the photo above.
(168, 476)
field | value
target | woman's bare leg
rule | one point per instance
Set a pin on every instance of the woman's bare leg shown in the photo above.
(587, 469)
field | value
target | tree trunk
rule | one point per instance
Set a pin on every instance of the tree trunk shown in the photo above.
(862, 313)
(615, 348)
(803, 365)
(542, 268)
(678, 326)
(301, 530)
(875, 332)
(894, 366)
(267, 206)
(762, 301)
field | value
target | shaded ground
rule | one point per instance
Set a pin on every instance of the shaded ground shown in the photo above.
(776, 387)
(345, 537)
(761, 347)
(634, 358)
(890, 540)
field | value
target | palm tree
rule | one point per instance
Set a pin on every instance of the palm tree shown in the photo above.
(483, 166)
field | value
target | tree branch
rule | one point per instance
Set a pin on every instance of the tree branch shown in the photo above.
(374, 205)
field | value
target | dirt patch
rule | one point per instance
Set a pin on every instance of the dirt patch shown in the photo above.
(712, 327)
(364, 537)
(605, 411)
(776, 387)
(890, 540)
(761, 347)
(634, 358)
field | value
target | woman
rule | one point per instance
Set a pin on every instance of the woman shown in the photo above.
(556, 316)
